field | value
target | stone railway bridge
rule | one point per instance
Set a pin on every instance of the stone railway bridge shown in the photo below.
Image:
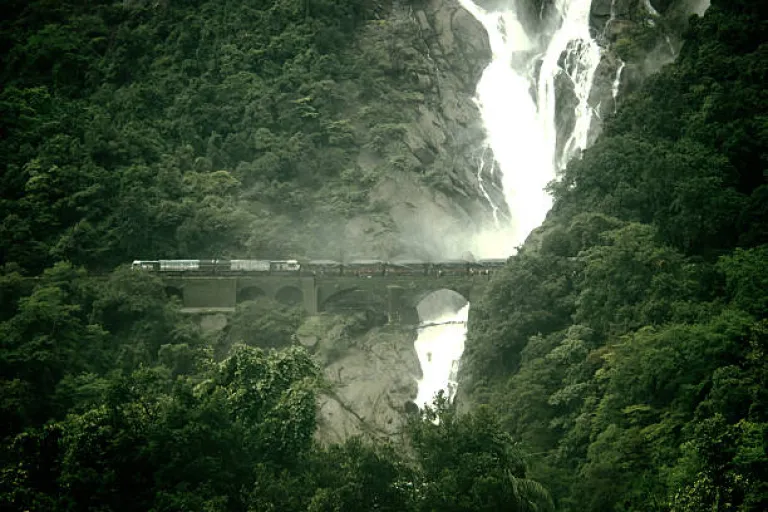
(398, 295)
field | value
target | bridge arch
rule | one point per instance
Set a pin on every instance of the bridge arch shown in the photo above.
(339, 298)
(434, 303)
(290, 295)
(250, 293)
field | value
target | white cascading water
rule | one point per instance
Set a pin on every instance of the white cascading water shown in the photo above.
(481, 184)
(617, 84)
(516, 97)
(617, 81)
(651, 11)
(439, 346)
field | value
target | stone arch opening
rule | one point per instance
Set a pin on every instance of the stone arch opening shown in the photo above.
(249, 293)
(435, 304)
(174, 292)
(290, 296)
(349, 298)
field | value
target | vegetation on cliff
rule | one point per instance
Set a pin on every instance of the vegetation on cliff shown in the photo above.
(167, 128)
(624, 347)
(626, 343)
(113, 400)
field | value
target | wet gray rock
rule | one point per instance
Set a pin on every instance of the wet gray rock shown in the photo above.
(607, 14)
(600, 14)
(371, 376)
(564, 109)
(449, 121)
(428, 223)
(613, 20)
(601, 96)
(438, 194)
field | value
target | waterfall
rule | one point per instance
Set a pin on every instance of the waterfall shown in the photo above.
(481, 184)
(652, 12)
(439, 346)
(517, 97)
(617, 84)
(518, 100)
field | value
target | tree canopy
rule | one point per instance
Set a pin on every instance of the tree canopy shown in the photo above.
(618, 361)
(624, 342)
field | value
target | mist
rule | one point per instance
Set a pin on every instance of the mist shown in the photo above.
(698, 6)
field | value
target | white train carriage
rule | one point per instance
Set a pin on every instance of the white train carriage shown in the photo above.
(179, 265)
(249, 265)
(284, 267)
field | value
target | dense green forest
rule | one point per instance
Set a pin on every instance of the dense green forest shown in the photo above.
(173, 128)
(622, 351)
(147, 129)
(627, 345)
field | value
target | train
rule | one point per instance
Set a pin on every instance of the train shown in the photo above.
(219, 266)
(323, 268)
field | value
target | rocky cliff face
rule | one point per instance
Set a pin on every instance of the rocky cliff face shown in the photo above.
(370, 374)
(373, 374)
(370, 370)
(638, 37)
(430, 203)
(432, 208)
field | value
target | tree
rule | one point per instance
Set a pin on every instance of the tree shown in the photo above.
(469, 463)
(362, 476)
(50, 336)
(265, 323)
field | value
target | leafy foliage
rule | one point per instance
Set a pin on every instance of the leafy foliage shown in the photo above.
(196, 129)
(622, 345)
(625, 348)
(470, 463)
(265, 323)
(191, 128)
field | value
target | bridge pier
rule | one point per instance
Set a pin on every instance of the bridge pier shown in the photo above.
(309, 293)
(394, 303)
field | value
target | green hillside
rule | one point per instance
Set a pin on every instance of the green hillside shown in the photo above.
(626, 345)
(618, 362)
(170, 128)
(192, 129)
